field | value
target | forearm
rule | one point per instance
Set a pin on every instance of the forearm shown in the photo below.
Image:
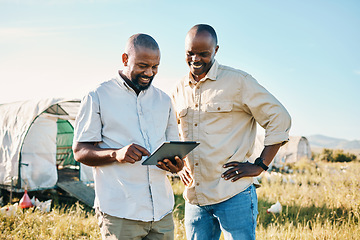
(269, 153)
(91, 155)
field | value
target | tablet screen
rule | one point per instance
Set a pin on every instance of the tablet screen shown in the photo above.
(169, 150)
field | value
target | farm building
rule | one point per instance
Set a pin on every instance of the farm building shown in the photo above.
(35, 144)
(296, 149)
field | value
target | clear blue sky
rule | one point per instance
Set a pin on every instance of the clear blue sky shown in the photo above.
(307, 53)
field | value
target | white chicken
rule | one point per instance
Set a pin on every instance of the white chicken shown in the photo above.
(275, 208)
(9, 211)
(42, 206)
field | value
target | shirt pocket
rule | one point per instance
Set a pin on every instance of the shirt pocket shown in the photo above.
(183, 122)
(218, 117)
(159, 124)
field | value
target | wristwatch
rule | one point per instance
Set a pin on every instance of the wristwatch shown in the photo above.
(259, 162)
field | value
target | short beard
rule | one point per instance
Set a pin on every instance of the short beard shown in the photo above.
(140, 87)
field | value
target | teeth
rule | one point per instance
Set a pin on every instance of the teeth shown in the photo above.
(145, 79)
(197, 67)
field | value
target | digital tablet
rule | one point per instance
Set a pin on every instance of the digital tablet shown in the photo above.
(169, 150)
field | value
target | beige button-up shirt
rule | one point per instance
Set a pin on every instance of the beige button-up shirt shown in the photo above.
(220, 111)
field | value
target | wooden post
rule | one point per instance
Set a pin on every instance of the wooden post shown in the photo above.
(11, 187)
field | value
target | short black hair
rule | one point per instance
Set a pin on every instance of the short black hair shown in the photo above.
(141, 40)
(205, 28)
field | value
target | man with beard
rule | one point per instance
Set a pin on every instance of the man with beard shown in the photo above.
(219, 107)
(119, 122)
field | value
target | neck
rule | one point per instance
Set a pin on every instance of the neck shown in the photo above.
(130, 83)
(197, 78)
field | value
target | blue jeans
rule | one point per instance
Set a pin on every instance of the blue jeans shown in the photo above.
(235, 217)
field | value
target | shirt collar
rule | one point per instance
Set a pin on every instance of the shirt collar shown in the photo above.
(211, 75)
(121, 82)
(124, 84)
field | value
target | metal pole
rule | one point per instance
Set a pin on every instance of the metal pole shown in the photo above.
(11, 187)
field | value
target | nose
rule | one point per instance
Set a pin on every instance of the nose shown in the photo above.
(149, 72)
(195, 58)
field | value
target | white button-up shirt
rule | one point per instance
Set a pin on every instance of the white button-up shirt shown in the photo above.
(220, 111)
(115, 116)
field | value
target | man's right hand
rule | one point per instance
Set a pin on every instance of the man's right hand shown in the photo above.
(131, 153)
(90, 154)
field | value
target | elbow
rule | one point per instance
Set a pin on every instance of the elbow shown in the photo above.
(288, 121)
(284, 120)
(77, 152)
(83, 153)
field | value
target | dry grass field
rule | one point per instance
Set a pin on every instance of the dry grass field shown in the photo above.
(319, 201)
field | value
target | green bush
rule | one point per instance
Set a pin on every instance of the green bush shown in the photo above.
(336, 156)
(327, 155)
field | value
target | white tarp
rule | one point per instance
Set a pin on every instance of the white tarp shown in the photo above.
(38, 155)
(27, 133)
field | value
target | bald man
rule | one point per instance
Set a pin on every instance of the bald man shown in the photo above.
(219, 107)
(119, 123)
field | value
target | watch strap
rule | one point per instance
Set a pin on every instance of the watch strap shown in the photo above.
(260, 162)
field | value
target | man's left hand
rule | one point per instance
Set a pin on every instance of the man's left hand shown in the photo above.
(239, 170)
(167, 165)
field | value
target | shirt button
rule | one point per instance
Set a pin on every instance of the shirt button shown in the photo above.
(198, 87)
(196, 164)
(196, 105)
(218, 108)
(197, 184)
(195, 124)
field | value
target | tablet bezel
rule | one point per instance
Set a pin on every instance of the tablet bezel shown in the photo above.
(170, 149)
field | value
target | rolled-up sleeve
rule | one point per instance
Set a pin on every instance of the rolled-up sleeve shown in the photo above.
(267, 111)
(88, 121)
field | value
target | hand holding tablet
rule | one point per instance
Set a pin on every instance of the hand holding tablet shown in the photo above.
(170, 149)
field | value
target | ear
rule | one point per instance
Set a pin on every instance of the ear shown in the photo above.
(216, 48)
(125, 59)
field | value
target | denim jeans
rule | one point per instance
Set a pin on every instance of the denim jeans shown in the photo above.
(235, 217)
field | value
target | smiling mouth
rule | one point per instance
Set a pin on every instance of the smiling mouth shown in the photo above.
(145, 80)
(196, 66)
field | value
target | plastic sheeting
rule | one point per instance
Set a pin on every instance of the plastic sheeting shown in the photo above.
(64, 140)
(28, 141)
(38, 155)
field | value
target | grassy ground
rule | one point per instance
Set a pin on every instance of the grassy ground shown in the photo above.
(320, 201)
(60, 223)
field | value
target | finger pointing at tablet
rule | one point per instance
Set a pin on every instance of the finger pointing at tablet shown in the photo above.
(131, 153)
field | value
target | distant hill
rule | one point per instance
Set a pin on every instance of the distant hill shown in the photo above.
(321, 141)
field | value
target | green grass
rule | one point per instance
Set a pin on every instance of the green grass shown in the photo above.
(320, 201)
(322, 204)
(61, 223)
